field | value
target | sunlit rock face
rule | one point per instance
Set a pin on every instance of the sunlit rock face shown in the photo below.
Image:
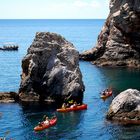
(125, 107)
(50, 70)
(118, 44)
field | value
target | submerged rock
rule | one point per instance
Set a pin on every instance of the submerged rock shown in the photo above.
(50, 70)
(126, 107)
(8, 97)
(118, 43)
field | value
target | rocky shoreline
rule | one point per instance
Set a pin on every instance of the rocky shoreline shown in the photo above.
(9, 97)
(13, 97)
(118, 43)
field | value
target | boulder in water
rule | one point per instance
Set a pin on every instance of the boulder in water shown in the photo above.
(126, 107)
(50, 70)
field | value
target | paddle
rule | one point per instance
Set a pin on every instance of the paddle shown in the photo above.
(44, 117)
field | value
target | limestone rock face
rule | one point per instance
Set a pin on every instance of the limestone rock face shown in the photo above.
(119, 41)
(50, 70)
(126, 107)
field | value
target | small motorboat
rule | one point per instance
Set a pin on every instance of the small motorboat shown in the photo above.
(43, 126)
(76, 108)
(106, 94)
(9, 47)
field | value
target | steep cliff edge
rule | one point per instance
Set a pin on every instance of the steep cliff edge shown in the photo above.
(119, 41)
(50, 70)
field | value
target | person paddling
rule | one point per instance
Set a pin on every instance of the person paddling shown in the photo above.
(47, 121)
(64, 105)
(74, 105)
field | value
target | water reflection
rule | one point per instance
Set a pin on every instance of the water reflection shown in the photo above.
(85, 125)
(122, 78)
(67, 122)
(123, 132)
(96, 79)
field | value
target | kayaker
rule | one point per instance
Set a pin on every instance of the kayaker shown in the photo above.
(67, 105)
(47, 121)
(107, 90)
(41, 123)
(104, 93)
(71, 102)
(64, 105)
(74, 105)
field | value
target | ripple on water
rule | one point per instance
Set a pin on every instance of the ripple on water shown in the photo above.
(82, 125)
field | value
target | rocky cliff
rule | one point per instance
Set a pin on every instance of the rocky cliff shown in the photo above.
(125, 107)
(50, 70)
(119, 41)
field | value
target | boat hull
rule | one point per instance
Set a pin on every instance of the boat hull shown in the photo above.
(44, 126)
(81, 107)
(106, 96)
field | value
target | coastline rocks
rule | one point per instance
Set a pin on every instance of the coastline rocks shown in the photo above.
(125, 107)
(8, 97)
(50, 70)
(118, 43)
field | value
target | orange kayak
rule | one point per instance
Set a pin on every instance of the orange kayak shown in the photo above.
(79, 107)
(106, 95)
(44, 126)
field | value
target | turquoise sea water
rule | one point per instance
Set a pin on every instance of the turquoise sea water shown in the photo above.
(91, 124)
